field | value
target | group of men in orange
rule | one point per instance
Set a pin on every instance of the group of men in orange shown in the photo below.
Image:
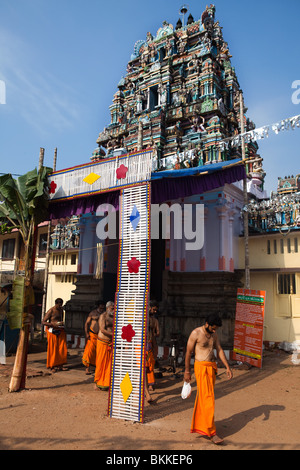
(97, 352)
(98, 331)
(202, 343)
(98, 334)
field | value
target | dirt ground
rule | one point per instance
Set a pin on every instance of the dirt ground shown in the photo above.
(257, 410)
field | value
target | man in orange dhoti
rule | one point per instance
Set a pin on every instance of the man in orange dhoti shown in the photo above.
(153, 333)
(203, 341)
(103, 364)
(91, 334)
(56, 337)
(104, 351)
(57, 349)
(150, 363)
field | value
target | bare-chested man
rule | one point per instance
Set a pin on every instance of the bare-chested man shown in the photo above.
(103, 356)
(202, 342)
(56, 337)
(91, 333)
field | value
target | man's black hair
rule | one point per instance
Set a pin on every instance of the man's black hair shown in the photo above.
(153, 303)
(213, 319)
(100, 302)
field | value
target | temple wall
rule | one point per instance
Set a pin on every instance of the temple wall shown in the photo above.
(189, 297)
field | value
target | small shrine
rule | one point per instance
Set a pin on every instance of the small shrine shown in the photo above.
(288, 184)
(281, 211)
(66, 234)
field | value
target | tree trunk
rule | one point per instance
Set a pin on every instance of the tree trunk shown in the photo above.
(18, 378)
(19, 371)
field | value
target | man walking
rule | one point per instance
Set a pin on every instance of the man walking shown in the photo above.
(91, 333)
(202, 342)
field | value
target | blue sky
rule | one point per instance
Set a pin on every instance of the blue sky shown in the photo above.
(61, 61)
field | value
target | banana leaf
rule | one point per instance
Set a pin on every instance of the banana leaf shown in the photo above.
(16, 305)
(25, 198)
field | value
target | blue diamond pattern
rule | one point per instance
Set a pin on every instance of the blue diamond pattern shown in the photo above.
(135, 217)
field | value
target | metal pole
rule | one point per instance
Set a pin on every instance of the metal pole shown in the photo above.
(246, 222)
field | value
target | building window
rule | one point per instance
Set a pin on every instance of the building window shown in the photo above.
(8, 248)
(153, 98)
(289, 245)
(269, 247)
(275, 247)
(281, 246)
(73, 259)
(67, 278)
(286, 284)
(296, 245)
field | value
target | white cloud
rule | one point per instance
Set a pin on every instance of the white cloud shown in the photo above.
(43, 100)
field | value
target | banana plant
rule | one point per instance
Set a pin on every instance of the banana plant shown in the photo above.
(23, 205)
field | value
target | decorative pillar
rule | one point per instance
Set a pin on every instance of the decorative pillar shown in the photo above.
(140, 136)
(81, 252)
(182, 241)
(230, 251)
(222, 213)
(203, 250)
(92, 250)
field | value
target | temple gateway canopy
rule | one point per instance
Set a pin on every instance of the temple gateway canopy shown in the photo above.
(165, 186)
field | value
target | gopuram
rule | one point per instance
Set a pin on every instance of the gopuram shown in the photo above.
(180, 96)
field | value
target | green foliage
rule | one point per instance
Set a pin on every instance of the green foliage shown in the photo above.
(24, 200)
(5, 228)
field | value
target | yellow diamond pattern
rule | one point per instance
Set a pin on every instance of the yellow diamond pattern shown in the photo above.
(130, 311)
(91, 178)
(126, 387)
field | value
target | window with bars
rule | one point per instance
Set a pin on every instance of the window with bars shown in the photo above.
(8, 248)
(286, 284)
(281, 246)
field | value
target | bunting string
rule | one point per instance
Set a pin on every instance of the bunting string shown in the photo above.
(260, 133)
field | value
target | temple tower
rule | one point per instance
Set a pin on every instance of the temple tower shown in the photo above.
(180, 96)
